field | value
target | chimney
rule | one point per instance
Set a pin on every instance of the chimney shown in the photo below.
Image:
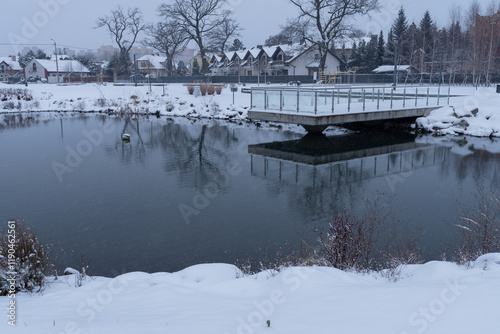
(259, 46)
(13, 58)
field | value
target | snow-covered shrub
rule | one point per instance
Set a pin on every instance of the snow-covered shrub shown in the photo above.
(190, 89)
(32, 260)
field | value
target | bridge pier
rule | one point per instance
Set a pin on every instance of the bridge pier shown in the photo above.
(315, 128)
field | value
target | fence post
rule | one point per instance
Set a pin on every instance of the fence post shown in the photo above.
(392, 95)
(349, 100)
(316, 102)
(298, 100)
(364, 103)
(427, 103)
(333, 101)
(338, 96)
(281, 100)
(265, 99)
(251, 99)
(416, 97)
(404, 98)
(449, 92)
(373, 94)
(439, 94)
(378, 99)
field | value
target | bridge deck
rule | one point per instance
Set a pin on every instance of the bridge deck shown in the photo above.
(317, 108)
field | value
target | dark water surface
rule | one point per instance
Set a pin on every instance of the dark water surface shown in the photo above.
(184, 192)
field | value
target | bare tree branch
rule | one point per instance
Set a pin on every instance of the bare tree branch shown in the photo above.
(198, 19)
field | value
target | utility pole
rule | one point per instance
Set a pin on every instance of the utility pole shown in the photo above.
(57, 61)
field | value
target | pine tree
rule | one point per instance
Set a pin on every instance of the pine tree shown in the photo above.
(181, 68)
(370, 55)
(390, 49)
(380, 49)
(237, 45)
(355, 58)
(196, 68)
(345, 60)
(426, 36)
(399, 32)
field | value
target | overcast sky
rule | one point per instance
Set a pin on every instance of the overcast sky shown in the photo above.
(72, 22)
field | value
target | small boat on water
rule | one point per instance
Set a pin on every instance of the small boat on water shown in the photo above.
(125, 136)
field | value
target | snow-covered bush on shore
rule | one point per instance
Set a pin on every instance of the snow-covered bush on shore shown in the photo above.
(31, 261)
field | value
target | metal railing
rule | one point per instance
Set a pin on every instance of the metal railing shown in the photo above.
(342, 100)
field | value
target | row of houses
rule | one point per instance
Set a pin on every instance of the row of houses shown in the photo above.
(284, 59)
(287, 59)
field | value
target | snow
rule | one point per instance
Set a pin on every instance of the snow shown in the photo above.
(390, 68)
(474, 112)
(64, 65)
(157, 62)
(436, 297)
(12, 63)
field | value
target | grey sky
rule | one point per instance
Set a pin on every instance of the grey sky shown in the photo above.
(71, 22)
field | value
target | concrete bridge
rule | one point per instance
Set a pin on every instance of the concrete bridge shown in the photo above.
(316, 108)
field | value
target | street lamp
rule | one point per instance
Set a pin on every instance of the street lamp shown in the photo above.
(57, 61)
(395, 77)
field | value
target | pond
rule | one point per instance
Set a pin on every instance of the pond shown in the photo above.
(184, 192)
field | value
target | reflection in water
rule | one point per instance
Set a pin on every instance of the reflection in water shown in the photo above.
(325, 175)
(121, 203)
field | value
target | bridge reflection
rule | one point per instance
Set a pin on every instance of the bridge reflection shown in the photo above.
(320, 160)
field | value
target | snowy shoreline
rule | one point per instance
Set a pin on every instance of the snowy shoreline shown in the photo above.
(435, 297)
(472, 112)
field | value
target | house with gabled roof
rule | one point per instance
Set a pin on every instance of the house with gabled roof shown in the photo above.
(10, 68)
(307, 62)
(153, 65)
(49, 69)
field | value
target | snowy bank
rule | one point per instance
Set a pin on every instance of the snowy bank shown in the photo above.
(473, 112)
(436, 297)
(476, 113)
(168, 100)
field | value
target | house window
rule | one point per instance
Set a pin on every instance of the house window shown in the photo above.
(34, 67)
(3, 69)
(316, 56)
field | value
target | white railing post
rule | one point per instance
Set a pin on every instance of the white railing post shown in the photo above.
(349, 100)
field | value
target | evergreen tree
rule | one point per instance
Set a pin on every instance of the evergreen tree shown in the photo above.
(389, 49)
(181, 68)
(196, 68)
(380, 49)
(400, 25)
(237, 45)
(426, 36)
(369, 56)
(399, 34)
(40, 54)
(345, 60)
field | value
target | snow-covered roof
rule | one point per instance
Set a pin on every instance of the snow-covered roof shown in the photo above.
(64, 66)
(13, 63)
(241, 54)
(156, 61)
(390, 68)
(254, 52)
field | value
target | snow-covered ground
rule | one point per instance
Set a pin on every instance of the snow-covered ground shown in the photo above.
(475, 112)
(436, 297)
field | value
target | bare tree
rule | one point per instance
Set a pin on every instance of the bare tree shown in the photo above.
(198, 19)
(124, 27)
(220, 36)
(321, 22)
(168, 38)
